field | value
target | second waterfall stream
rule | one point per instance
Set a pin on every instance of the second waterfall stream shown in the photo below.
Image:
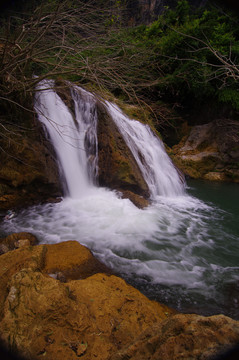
(168, 250)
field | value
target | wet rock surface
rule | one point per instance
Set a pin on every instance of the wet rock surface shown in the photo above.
(28, 172)
(90, 317)
(184, 336)
(210, 151)
(17, 240)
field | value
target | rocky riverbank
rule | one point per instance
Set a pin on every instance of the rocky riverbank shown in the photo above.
(210, 151)
(58, 302)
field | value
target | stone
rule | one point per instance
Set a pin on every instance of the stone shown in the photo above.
(88, 318)
(183, 336)
(210, 151)
(17, 240)
(215, 176)
(69, 260)
(50, 307)
(29, 172)
(22, 242)
(137, 200)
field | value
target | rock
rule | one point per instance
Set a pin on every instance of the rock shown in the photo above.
(29, 172)
(215, 176)
(210, 151)
(137, 200)
(3, 248)
(17, 240)
(145, 12)
(118, 169)
(14, 261)
(70, 260)
(67, 260)
(88, 318)
(23, 242)
(183, 337)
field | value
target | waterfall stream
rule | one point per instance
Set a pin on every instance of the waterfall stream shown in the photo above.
(158, 171)
(75, 142)
(180, 250)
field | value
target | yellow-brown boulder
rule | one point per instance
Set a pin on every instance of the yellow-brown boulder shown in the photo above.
(43, 317)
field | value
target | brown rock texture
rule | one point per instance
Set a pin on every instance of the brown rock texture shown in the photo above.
(42, 317)
(210, 151)
(137, 200)
(183, 337)
(17, 240)
(117, 167)
(71, 260)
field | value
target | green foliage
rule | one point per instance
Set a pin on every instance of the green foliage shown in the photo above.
(194, 52)
(230, 96)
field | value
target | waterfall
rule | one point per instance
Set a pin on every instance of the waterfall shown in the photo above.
(174, 250)
(75, 140)
(157, 168)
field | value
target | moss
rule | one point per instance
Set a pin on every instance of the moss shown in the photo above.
(4, 189)
(124, 172)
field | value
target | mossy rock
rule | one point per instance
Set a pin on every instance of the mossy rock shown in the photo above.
(28, 172)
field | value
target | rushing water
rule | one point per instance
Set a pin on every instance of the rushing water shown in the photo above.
(182, 250)
(158, 171)
(74, 139)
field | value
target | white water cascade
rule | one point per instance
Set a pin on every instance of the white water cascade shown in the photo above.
(75, 142)
(158, 170)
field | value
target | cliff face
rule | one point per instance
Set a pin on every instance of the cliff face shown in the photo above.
(28, 172)
(146, 11)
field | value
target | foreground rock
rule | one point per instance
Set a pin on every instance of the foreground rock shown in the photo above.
(59, 302)
(184, 337)
(210, 151)
(90, 317)
(17, 240)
